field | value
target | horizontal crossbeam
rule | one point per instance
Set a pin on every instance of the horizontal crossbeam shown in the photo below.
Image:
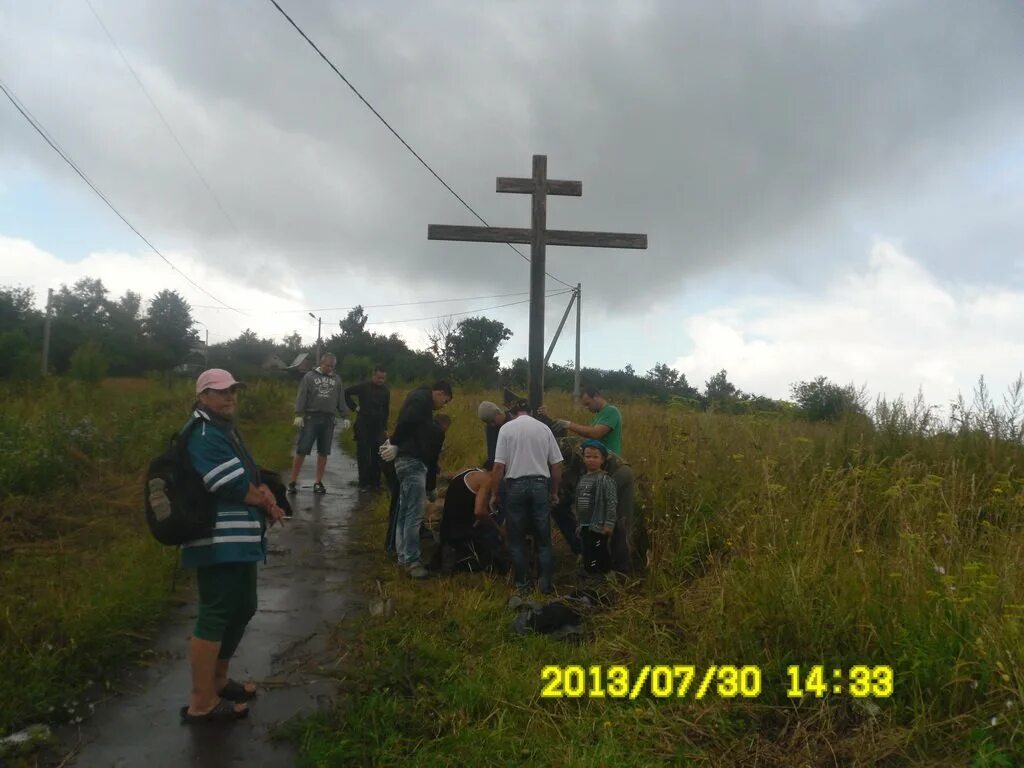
(553, 187)
(520, 235)
(478, 234)
(594, 239)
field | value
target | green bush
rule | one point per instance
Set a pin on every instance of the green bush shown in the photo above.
(89, 364)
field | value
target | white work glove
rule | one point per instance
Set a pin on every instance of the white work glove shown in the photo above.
(299, 421)
(563, 423)
(387, 451)
(432, 496)
(344, 424)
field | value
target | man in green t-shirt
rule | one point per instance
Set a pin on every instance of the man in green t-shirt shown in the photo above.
(606, 425)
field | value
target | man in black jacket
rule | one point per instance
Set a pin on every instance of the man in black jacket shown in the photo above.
(412, 448)
(371, 424)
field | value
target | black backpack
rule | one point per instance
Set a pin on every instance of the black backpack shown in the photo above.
(178, 506)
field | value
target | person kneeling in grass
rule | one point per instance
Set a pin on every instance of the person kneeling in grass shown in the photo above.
(225, 559)
(596, 505)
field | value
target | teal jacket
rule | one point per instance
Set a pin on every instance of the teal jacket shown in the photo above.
(227, 468)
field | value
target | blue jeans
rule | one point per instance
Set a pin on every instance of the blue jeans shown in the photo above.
(412, 497)
(527, 509)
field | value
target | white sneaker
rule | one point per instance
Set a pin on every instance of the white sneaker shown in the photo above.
(418, 572)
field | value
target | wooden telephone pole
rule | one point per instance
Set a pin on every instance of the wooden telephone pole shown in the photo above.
(539, 186)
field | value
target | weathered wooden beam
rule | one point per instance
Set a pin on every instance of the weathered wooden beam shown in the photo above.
(479, 234)
(594, 239)
(525, 186)
(538, 227)
(521, 235)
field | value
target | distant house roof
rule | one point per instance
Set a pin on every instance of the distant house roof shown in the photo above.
(300, 359)
(275, 362)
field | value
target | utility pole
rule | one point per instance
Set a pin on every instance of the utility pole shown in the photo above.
(579, 308)
(206, 346)
(46, 331)
(558, 332)
(319, 321)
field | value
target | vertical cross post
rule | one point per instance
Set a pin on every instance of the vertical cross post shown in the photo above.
(538, 223)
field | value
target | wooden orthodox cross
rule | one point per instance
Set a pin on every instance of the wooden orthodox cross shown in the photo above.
(538, 236)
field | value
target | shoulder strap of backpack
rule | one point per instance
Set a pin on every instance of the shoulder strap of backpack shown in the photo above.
(181, 438)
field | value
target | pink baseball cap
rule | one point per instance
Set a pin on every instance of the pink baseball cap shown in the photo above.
(216, 378)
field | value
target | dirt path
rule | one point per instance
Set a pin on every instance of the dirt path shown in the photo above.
(304, 589)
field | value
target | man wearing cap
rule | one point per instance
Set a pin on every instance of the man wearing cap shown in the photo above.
(529, 460)
(225, 560)
(320, 396)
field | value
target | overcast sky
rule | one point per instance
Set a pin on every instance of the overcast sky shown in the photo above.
(829, 188)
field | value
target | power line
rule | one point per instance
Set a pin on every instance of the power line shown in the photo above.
(379, 306)
(402, 304)
(163, 119)
(67, 159)
(397, 136)
(459, 314)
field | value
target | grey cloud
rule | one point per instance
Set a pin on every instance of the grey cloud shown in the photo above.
(719, 129)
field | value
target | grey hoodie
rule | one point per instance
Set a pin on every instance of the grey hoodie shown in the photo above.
(320, 393)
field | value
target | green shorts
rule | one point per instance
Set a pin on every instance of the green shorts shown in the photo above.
(227, 600)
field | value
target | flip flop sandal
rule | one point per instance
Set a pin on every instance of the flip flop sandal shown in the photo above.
(236, 692)
(224, 711)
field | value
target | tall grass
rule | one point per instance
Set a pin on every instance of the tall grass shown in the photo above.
(81, 579)
(768, 541)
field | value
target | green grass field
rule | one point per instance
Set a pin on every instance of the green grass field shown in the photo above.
(81, 580)
(769, 543)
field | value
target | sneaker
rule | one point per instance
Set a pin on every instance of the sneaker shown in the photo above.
(418, 572)
(292, 488)
(319, 488)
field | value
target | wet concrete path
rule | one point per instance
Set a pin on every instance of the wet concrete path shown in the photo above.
(305, 588)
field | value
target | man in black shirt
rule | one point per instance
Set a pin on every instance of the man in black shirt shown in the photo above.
(371, 424)
(433, 445)
(412, 448)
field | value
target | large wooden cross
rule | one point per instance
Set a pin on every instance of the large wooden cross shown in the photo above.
(538, 236)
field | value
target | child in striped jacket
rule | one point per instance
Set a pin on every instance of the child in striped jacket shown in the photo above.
(596, 503)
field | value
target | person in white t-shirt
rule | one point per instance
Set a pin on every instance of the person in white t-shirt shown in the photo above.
(528, 458)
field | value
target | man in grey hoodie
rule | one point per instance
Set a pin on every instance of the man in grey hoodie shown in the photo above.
(320, 395)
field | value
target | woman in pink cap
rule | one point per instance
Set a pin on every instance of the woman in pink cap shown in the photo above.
(225, 559)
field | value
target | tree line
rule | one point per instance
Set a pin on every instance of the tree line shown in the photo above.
(94, 335)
